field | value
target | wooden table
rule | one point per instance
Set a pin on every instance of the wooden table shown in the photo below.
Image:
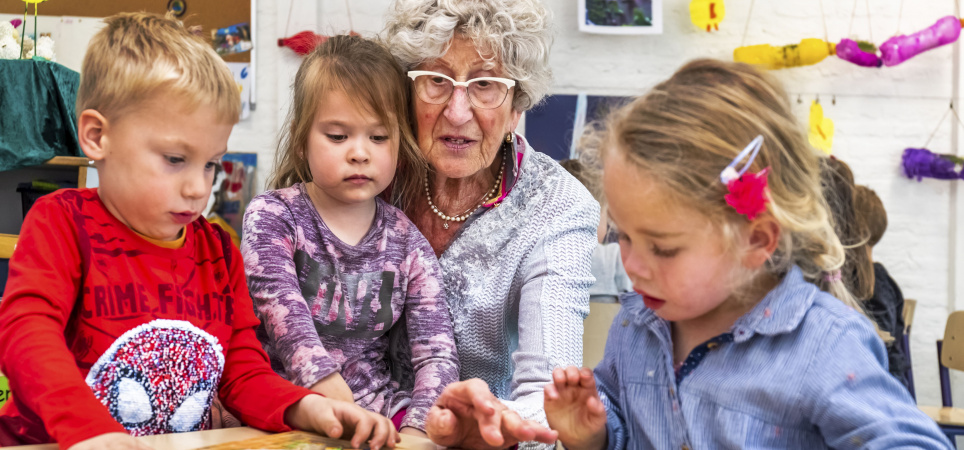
(184, 441)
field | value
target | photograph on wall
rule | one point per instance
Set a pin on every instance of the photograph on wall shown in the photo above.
(233, 39)
(621, 16)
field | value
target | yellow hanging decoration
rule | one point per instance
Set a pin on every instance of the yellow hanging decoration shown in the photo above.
(808, 51)
(707, 14)
(821, 129)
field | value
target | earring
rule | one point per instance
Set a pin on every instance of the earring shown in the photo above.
(508, 137)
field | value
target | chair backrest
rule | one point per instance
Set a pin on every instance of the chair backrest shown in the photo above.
(908, 313)
(596, 328)
(7, 244)
(952, 353)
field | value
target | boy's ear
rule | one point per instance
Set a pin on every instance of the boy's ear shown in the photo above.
(764, 236)
(91, 126)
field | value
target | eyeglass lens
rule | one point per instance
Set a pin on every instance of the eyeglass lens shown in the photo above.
(482, 93)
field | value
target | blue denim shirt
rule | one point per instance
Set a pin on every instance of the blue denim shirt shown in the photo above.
(802, 371)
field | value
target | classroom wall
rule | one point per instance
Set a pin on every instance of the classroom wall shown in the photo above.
(877, 112)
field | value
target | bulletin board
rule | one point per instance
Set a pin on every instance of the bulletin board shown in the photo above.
(209, 14)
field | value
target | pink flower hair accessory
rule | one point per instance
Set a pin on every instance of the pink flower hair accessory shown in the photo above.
(748, 192)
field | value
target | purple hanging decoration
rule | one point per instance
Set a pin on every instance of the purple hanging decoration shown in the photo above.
(849, 50)
(16, 22)
(901, 48)
(922, 163)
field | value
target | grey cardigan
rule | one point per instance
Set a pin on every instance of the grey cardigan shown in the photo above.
(517, 280)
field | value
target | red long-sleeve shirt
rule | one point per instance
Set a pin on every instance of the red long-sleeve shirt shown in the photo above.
(83, 300)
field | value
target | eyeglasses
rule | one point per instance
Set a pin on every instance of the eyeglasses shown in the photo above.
(484, 92)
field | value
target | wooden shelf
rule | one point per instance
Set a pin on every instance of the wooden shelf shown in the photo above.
(69, 161)
(58, 168)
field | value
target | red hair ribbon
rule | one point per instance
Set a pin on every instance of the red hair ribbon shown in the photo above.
(748, 191)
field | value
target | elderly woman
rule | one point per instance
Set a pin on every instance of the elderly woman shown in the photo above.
(513, 231)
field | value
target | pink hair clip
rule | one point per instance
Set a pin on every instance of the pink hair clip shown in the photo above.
(832, 276)
(748, 192)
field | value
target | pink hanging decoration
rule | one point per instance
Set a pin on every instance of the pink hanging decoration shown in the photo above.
(16, 22)
(850, 51)
(901, 48)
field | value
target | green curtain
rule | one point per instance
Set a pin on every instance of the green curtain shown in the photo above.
(37, 118)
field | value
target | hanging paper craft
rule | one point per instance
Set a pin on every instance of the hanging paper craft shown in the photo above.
(860, 53)
(901, 48)
(304, 42)
(808, 51)
(821, 129)
(707, 14)
(922, 163)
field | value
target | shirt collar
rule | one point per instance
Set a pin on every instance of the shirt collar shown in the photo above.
(517, 152)
(780, 311)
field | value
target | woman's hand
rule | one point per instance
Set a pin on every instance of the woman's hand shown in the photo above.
(111, 441)
(573, 409)
(468, 415)
(334, 387)
(334, 418)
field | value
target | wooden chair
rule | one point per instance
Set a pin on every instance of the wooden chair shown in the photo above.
(7, 244)
(909, 307)
(950, 352)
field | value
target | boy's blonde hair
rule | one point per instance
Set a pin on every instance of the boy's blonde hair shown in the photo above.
(687, 129)
(140, 56)
(371, 78)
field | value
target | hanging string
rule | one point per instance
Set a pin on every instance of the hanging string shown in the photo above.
(348, 8)
(826, 35)
(853, 13)
(900, 15)
(939, 125)
(288, 26)
(870, 27)
(747, 26)
(959, 122)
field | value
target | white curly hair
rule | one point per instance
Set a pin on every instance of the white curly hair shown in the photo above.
(515, 33)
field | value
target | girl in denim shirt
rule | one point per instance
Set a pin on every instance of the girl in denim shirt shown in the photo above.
(740, 333)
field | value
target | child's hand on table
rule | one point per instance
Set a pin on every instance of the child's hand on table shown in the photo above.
(334, 387)
(111, 441)
(574, 410)
(413, 432)
(336, 418)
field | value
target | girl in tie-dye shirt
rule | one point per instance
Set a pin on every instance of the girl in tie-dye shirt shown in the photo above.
(348, 291)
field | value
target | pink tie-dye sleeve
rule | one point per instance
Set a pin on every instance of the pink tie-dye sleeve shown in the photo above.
(268, 246)
(430, 331)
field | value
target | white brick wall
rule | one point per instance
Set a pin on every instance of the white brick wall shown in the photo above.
(878, 113)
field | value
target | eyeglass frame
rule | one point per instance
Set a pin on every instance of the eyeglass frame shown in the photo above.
(510, 83)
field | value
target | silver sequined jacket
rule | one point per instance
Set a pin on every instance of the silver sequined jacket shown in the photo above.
(517, 279)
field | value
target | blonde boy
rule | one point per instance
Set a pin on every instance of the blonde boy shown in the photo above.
(126, 312)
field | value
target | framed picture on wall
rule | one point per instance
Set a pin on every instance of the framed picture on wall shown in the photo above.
(621, 16)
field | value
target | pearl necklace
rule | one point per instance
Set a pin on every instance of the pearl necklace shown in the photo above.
(465, 215)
